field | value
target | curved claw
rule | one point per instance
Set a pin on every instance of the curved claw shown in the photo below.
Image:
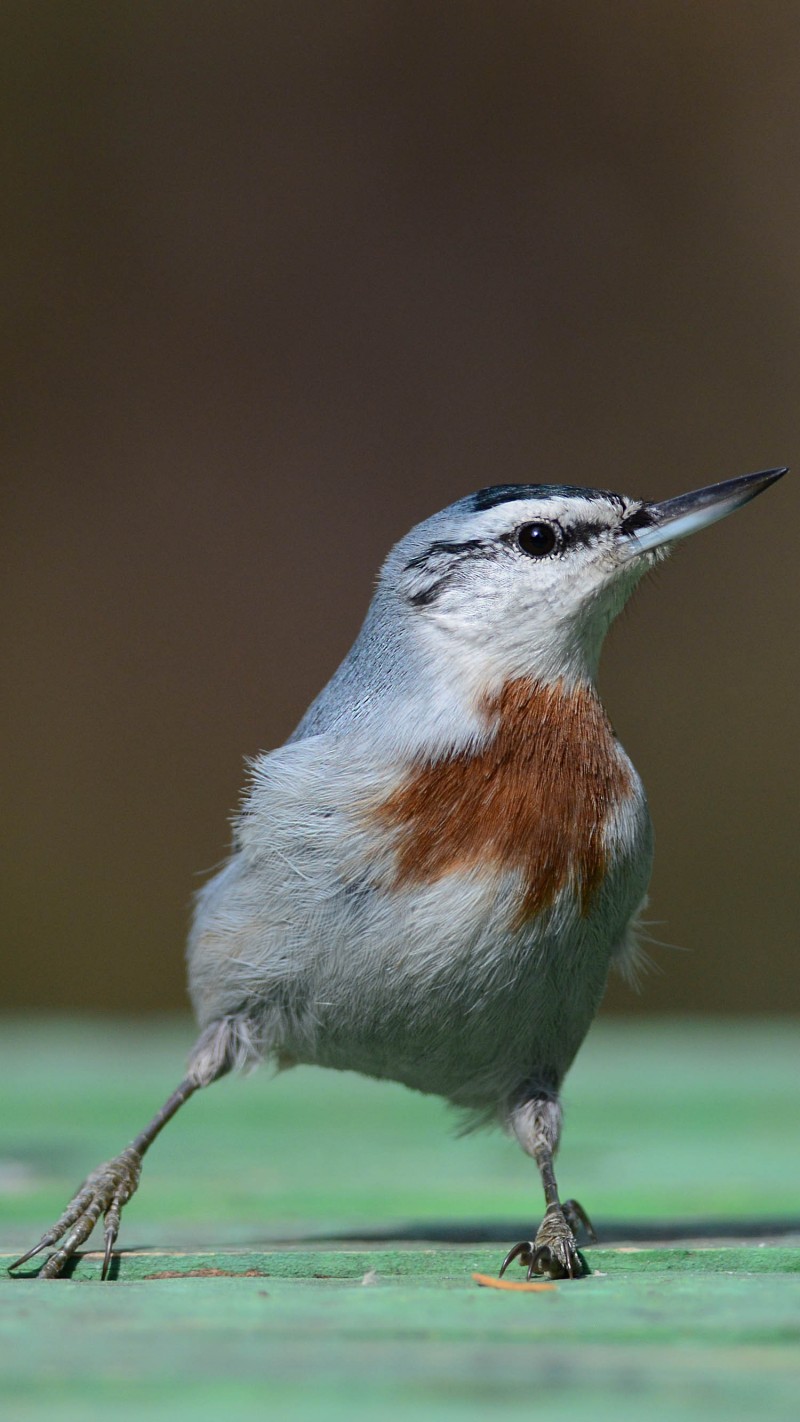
(570, 1265)
(525, 1246)
(46, 1239)
(73, 1211)
(112, 1221)
(539, 1256)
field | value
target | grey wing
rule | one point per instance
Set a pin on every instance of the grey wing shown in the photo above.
(285, 895)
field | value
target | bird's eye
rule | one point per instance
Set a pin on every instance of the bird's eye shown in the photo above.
(538, 540)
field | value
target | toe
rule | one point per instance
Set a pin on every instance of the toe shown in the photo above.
(524, 1251)
(577, 1218)
(105, 1192)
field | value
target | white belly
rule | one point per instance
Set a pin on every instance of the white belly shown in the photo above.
(429, 984)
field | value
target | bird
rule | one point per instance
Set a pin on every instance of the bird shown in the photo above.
(431, 879)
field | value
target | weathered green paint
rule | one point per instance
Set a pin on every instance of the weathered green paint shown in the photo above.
(250, 1318)
(447, 1263)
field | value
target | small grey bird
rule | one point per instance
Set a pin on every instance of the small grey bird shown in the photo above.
(430, 880)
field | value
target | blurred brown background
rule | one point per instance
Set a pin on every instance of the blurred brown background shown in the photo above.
(282, 279)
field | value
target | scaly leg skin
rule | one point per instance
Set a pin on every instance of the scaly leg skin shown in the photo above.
(554, 1251)
(104, 1192)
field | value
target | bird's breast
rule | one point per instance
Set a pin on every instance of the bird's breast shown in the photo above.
(536, 797)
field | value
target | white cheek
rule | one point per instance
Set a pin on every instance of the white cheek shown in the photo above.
(513, 610)
(526, 617)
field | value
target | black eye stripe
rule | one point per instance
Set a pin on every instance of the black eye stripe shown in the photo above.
(440, 564)
(456, 550)
(586, 532)
(640, 518)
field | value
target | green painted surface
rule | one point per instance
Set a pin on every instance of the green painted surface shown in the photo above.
(339, 1202)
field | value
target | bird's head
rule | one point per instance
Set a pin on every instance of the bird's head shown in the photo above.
(525, 579)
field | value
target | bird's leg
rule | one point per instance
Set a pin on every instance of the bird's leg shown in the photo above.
(104, 1192)
(226, 1043)
(554, 1251)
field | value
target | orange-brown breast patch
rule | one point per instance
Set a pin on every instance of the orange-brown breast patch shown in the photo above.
(535, 798)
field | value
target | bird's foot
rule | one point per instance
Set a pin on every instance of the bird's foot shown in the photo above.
(554, 1251)
(104, 1192)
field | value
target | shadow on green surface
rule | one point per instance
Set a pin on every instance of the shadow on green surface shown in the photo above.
(611, 1232)
(619, 1233)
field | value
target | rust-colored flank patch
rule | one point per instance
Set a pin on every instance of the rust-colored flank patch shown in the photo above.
(535, 798)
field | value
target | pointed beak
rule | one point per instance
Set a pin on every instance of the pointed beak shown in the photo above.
(677, 518)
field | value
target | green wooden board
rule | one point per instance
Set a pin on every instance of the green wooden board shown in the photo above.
(305, 1244)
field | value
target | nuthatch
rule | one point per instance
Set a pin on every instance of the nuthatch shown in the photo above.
(430, 880)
